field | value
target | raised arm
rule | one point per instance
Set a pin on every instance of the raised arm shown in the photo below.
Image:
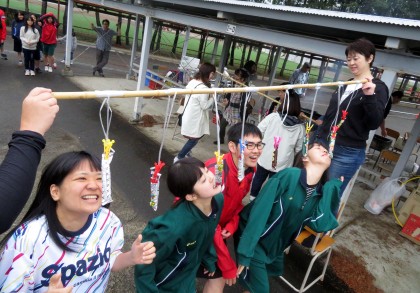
(18, 169)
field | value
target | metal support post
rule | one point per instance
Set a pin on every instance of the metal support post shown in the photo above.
(145, 48)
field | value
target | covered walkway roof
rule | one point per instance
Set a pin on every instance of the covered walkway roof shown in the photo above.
(324, 33)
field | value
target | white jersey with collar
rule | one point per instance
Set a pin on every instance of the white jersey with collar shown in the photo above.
(31, 258)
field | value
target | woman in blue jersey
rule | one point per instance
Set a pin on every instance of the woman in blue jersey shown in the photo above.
(67, 232)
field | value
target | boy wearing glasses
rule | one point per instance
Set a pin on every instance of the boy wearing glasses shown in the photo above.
(290, 200)
(234, 192)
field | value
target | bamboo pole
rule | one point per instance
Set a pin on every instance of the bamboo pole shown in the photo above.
(172, 91)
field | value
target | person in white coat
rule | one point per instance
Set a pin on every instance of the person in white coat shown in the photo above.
(29, 37)
(289, 131)
(195, 118)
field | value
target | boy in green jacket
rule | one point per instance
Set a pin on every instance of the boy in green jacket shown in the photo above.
(183, 236)
(290, 200)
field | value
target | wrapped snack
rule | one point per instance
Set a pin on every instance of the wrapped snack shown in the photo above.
(218, 171)
(241, 167)
(154, 184)
(277, 140)
(106, 171)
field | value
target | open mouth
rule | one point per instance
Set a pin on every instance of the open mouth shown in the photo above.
(90, 197)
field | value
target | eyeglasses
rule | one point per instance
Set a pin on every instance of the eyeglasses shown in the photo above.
(251, 145)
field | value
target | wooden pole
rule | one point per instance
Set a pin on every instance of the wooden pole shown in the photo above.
(170, 92)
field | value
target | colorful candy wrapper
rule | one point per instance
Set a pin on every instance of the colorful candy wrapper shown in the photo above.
(106, 171)
(306, 139)
(154, 184)
(277, 140)
(241, 167)
(334, 131)
(219, 169)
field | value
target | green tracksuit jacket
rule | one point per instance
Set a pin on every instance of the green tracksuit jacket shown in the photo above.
(272, 221)
(183, 238)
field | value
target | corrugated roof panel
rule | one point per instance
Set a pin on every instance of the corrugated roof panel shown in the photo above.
(337, 14)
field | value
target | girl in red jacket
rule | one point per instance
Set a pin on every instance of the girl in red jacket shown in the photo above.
(49, 39)
(3, 33)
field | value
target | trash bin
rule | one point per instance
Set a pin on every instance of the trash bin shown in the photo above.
(380, 143)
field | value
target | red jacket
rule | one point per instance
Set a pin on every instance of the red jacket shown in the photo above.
(3, 30)
(49, 30)
(234, 193)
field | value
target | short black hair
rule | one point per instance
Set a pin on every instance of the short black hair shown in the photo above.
(362, 46)
(306, 65)
(242, 73)
(105, 20)
(183, 175)
(249, 66)
(234, 133)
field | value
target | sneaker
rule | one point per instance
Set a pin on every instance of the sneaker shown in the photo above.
(101, 74)
(3, 56)
(71, 62)
(27, 72)
(54, 66)
(50, 69)
(20, 63)
(38, 70)
(176, 159)
(62, 61)
(32, 73)
(46, 68)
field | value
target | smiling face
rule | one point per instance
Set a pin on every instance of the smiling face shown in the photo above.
(205, 187)
(250, 155)
(30, 22)
(358, 64)
(80, 193)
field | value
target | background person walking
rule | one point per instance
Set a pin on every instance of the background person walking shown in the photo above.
(301, 76)
(103, 45)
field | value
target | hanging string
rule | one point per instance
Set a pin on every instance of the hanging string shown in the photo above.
(107, 154)
(336, 126)
(168, 113)
(155, 170)
(318, 86)
(219, 156)
(105, 128)
(309, 125)
(286, 102)
(242, 142)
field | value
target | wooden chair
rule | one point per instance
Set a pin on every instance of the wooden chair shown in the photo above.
(393, 133)
(389, 159)
(322, 245)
